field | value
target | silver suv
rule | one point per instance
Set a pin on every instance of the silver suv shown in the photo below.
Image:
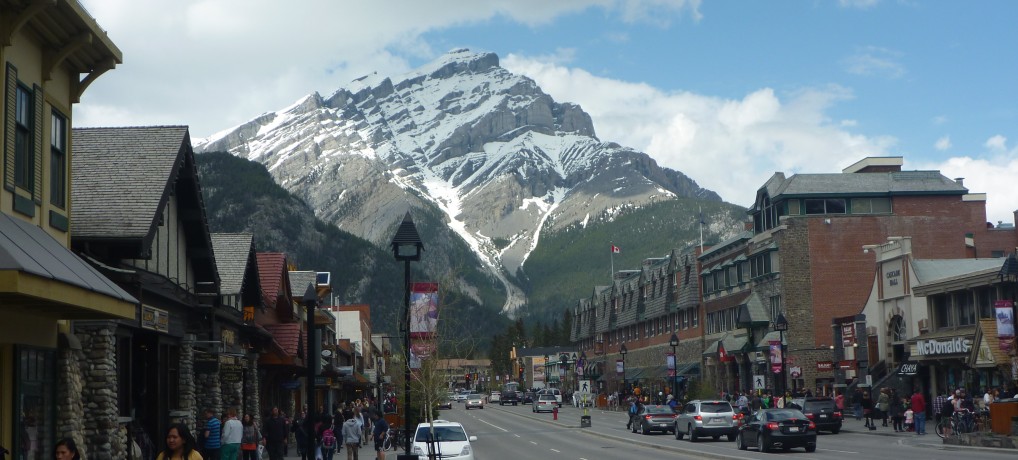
(707, 418)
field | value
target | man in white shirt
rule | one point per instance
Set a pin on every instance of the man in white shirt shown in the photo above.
(232, 433)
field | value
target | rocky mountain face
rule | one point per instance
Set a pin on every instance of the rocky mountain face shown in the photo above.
(484, 150)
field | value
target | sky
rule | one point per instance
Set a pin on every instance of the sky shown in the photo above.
(726, 92)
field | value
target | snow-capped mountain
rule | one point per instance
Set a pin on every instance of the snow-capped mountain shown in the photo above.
(500, 159)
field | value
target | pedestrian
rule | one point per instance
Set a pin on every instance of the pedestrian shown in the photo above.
(867, 410)
(180, 444)
(756, 404)
(883, 404)
(378, 433)
(919, 412)
(896, 409)
(634, 409)
(213, 435)
(910, 420)
(742, 401)
(365, 419)
(66, 449)
(250, 439)
(673, 404)
(839, 401)
(857, 403)
(353, 436)
(327, 441)
(275, 433)
(300, 434)
(233, 431)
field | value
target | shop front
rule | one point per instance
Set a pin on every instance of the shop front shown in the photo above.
(944, 358)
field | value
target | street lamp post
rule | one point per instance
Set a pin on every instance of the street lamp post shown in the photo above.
(781, 325)
(674, 342)
(406, 246)
(310, 300)
(623, 351)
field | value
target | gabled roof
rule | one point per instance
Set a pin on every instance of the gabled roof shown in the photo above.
(287, 335)
(876, 184)
(929, 271)
(232, 252)
(271, 268)
(299, 281)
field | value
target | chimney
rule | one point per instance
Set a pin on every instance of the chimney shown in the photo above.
(960, 181)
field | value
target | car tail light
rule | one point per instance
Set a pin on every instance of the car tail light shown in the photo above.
(697, 418)
(812, 426)
(837, 415)
(772, 426)
(737, 418)
(811, 415)
(648, 416)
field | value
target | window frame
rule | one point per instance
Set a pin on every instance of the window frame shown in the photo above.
(58, 159)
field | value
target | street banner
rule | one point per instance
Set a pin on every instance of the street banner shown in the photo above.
(1005, 324)
(538, 369)
(670, 360)
(423, 309)
(619, 366)
(775, 347)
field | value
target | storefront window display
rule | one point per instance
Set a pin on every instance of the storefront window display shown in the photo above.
(34, 403)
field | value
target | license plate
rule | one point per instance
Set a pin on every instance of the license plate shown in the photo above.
(662, 424)
(823, 416)
(793, 429)
(715, 420)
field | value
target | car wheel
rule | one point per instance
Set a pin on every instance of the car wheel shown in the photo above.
(716, 437)
(678, 434)
(739, 442)
(731, 437)
(760, 444)
(692, 434)
(812, 448)
(835, 430)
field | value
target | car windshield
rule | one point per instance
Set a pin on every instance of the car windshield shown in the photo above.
(547, 398)
(442, 433)
(817, 405)
(785, 414)
(660, 410)
(715, 407)
(474, 397)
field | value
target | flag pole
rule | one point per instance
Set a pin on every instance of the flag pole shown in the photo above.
(611, 274)
(700, 215)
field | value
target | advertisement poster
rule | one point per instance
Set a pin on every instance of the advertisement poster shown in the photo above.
(670, 359)
(423, 309)
(775, 346)
(538, 369)
(1005, 318)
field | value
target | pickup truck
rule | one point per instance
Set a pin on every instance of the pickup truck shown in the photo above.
(509, 398)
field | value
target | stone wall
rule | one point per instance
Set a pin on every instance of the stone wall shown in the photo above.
(252, 403)
(98, 370)
(70, 408)
(208, 396)
(188, 397)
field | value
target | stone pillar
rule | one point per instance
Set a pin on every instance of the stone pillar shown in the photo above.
(99, 393)
(207, 394)
(252, 402)
(188, 399)
(70, 407)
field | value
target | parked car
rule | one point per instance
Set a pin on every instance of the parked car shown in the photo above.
(447, 437)
(528, 397)
(712, 418)
(544, 402)
(777, 428)
(495, 397)
(822, 411)
(554, 392)
(655, 418)
(474, 400)
(509, 398)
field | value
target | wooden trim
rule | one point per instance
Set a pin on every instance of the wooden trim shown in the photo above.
(58, 221)
(39, 101)
(10, 109)
(77, 301)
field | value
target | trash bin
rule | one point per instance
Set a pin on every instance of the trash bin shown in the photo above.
(1000, 416)
(585, 421)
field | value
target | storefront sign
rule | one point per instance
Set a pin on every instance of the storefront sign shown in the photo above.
(825, 366)
(846, 364)
(230, 373)
(934, 347)
(795, 372)
(847, 334)
(155, 319)
(909, 369)
(205, 364)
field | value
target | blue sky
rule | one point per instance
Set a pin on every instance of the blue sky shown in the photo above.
(759, 87)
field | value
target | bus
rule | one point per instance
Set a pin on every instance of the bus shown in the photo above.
(510, 387)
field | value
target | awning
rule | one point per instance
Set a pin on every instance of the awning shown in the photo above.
(954, 343)
(752, 313)
(986, 350)
(732, 344)
(38, 275)
(765, 343)
(661, 372)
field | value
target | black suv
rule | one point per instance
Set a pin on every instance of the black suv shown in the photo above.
(822, 411)
(509, 397)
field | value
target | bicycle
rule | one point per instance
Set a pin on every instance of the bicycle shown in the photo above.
(960, 422)
(393, 439)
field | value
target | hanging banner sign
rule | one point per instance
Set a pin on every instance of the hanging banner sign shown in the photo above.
(1005, 324)
(619, 366)
(775, 348)
(847, 334)
(670, 362)
(423, 309)
(538, 369)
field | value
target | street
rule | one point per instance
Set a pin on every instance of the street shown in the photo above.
(515, 432)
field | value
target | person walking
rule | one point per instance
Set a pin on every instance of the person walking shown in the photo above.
(883, 404)
(213, 436)
(326, 439)
(305, 450)
(233, 431)
(180, 444)
(857, 403)
(896, 408)
(353, 436)
(867, 410)
(275, 434)
(379, 431)
(919, 412)
(250, 438)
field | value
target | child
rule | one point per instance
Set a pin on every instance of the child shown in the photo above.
(908, 419)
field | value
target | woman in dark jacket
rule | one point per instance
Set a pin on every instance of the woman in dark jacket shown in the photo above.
(897, 411)
(867, 410)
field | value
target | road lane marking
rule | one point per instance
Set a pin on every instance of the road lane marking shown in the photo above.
(534, 443)
(496, 426)
(839, 451)
(516, 435)
(556, 451)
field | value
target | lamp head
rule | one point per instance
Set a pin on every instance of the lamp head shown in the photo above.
(407, 245)
(622, 350)
(674, 340)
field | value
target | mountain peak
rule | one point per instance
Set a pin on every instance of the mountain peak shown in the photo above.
(460, 60)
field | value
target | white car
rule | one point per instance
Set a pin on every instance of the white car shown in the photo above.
(554, 392)
(474, 400)
(450, 441)
(495, 396)
(461, 397)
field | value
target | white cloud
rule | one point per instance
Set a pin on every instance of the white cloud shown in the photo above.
(987, 172)
(861, 4)
(752, 137)
(943, 143)
(875, 61)
(940, 120)
(996, 143)
(212, 64)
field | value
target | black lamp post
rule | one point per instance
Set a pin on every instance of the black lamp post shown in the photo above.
(674, 342)
(378, 382)
(781, 325)
(310, 300)
(623, 351)
(406, 246)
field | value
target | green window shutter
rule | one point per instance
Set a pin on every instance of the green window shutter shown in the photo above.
(40, 103)
(11, 97)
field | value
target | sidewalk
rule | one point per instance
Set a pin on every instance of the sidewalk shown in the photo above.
(365, 452)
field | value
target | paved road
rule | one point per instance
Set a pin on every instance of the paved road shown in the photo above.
(515, 432)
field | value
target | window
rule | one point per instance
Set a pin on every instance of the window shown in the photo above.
(966, 310)
(35, 402)
(941, 311)
(984, 302)
(825, 206)
(898, 331)
(685, 319)
(696, 317)
(775, 307)
(871, 205)
(23, 148)
(760, 264)
(58, 161)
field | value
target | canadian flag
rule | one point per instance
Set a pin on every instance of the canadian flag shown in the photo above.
(722, 354)
(615, 249)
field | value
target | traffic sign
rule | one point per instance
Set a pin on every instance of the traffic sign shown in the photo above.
(759, 383)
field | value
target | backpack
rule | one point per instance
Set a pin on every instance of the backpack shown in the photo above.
(328, 438)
